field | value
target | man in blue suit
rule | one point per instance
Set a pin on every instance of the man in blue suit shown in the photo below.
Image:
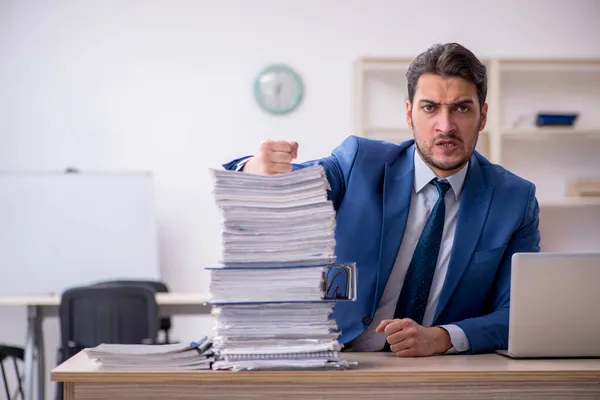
(431, 224)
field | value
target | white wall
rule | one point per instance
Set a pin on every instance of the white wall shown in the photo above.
(166, 86)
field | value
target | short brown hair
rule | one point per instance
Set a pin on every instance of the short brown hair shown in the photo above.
(448, 60)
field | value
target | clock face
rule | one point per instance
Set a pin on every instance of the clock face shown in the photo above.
(278, 89)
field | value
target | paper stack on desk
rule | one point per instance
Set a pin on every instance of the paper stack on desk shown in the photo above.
(147, 357)
(275, 288)
(277, 220)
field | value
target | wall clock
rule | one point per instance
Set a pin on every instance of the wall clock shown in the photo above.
(278, 89)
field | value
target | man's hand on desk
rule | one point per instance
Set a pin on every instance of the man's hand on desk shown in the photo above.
(409, 339)
(272, 158)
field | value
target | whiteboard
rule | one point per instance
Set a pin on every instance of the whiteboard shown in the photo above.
(59, 230)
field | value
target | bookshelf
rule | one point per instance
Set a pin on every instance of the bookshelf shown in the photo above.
(517, 90)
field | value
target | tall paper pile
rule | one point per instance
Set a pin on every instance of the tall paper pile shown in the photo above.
(277, 268)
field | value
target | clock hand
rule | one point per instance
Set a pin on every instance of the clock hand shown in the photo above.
(278, 93)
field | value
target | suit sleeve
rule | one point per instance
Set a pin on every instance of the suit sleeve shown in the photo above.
(338, 167)
(490, 332)
(237, 164)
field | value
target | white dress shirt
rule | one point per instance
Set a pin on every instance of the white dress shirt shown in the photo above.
(423, 199)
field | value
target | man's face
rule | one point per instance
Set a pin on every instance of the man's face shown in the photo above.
(446, 118)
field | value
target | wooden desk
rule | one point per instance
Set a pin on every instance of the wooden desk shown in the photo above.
(378, 376)
(42, 306)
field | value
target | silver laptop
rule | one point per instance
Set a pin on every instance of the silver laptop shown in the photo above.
(554, 305)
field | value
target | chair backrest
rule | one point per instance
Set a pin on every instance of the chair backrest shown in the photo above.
(11, 355)
(90, 316)
(158, 286)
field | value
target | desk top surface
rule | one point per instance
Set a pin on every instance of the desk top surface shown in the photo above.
(53, 300)
(372, 367)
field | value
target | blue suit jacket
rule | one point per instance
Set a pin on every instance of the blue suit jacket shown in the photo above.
(371, 185)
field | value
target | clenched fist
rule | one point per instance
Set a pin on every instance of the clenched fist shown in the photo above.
(409, 339)
(272, 158)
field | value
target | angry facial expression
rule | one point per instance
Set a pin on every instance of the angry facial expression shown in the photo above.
(446, 119)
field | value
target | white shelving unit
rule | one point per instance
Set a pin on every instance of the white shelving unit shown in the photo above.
(518, 89)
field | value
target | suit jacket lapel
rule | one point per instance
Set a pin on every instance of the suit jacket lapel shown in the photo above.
(474, 205)
(398, 184)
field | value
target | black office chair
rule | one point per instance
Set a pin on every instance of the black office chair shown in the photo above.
(17, 356)
(90, 316)
(158, 286)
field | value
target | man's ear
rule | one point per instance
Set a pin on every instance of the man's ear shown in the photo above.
(409, 114)
(483, 119)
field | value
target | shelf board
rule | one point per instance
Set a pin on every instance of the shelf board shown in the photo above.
(549, 132)
(571, 202)
(388, 134)
(506, 64)
(398, 134)
(383, 129)
(550, 64)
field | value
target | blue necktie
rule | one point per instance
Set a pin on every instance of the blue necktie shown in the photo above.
(417, 284)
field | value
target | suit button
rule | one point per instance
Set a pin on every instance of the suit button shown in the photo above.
(366, 320)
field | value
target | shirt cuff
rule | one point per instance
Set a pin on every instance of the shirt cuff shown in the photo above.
(458, 338)
(241, 163)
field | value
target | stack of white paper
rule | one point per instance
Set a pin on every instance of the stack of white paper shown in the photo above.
(141, 357)
(275, 220)
(270, 290)
(240, 284)
(276, 335)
